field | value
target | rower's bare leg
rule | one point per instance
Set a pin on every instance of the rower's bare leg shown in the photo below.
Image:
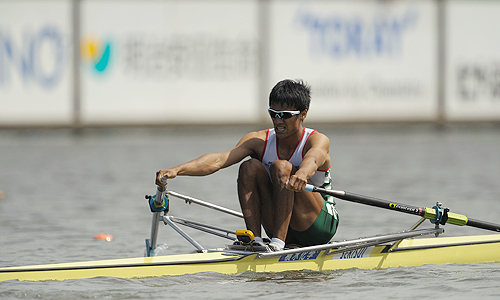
(255, 195)
(283, 199)
(295, 210)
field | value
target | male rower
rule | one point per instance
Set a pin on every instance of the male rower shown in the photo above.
(282, 160)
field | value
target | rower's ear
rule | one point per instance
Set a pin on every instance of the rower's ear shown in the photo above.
(303, 115)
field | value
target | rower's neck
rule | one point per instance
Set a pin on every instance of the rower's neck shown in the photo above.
(287, 145)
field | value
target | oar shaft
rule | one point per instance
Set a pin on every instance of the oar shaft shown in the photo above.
(414, 210)
(425, 212)
(483, 225)
(409, 209)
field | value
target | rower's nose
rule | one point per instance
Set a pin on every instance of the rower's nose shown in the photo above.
(278, 121)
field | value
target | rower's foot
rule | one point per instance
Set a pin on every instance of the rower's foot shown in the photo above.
(276, 244)
(273, 247)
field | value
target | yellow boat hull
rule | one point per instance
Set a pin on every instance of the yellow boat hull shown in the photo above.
(410, 252)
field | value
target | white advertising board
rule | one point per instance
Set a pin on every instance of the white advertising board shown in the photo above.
(35, 65)
(365, 60)
(169, 61)
(473, 61)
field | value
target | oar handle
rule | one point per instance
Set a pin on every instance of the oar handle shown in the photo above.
(309, 188)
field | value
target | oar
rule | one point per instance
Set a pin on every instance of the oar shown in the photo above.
(436, 214)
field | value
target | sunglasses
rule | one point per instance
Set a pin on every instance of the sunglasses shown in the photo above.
(283, 114)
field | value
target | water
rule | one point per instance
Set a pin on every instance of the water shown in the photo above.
(60, 190)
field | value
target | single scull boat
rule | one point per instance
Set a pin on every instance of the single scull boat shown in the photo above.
(401, 249)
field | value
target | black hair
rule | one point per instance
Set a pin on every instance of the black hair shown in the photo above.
(293, 93)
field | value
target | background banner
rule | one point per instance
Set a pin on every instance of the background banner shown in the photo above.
(215, 62)
(473, 60)
(35, 63)
(365, 60)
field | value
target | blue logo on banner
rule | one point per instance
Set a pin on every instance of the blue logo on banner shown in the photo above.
(39, 58)
(339, 37)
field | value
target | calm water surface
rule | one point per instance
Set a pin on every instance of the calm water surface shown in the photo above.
(60, 190)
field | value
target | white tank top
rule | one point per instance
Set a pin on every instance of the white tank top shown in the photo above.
(270, 154)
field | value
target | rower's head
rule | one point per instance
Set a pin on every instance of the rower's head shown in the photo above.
(293, 94)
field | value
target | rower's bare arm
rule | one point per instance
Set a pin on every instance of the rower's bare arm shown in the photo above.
(212, 162)
(317, 156)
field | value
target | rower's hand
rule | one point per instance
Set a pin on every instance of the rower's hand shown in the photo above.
(163, 175)
(297, 183)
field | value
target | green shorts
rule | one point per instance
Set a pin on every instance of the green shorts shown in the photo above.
(320, 232)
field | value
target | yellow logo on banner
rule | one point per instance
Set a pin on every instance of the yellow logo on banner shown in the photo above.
(96, 53)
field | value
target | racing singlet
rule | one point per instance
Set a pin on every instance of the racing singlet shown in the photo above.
(270, 154)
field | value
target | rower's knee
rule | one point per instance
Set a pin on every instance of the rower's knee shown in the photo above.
(281, 170)
(250, 169)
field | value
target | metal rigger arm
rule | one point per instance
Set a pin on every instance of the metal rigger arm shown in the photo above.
(159, 205)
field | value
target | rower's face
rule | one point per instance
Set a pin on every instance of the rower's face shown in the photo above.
(286, 127)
